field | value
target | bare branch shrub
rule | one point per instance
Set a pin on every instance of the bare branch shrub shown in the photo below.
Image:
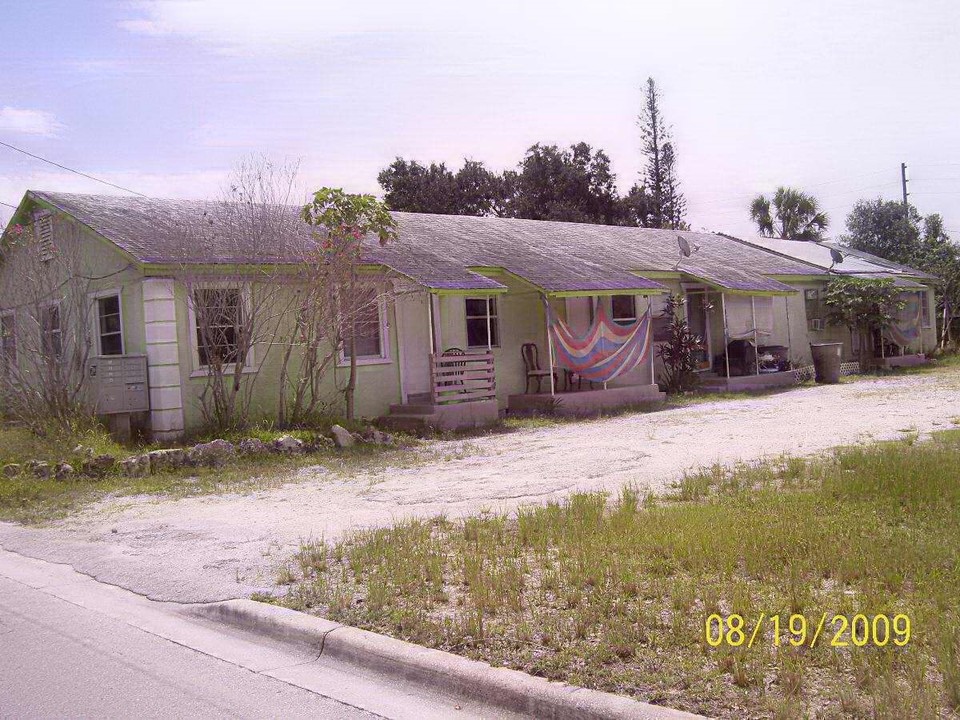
(235, 269)
(47, 328)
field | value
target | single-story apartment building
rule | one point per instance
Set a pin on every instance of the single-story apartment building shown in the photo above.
(471, 317)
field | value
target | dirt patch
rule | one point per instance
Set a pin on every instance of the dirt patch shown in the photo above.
(218, 547)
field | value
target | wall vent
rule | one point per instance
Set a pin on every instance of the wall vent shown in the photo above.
(44, 226)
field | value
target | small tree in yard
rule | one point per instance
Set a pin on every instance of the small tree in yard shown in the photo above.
(864, 305)
(235, 313)
(341, 222)
(679, 352)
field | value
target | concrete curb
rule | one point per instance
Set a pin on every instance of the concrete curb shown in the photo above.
(510, 690)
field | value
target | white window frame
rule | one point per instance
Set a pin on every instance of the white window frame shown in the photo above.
(95, 298)
(199, 370)
(384, 358)
(16, 350)
(493, 319)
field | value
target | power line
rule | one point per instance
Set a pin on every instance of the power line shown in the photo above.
(8, 205)
(69, 169)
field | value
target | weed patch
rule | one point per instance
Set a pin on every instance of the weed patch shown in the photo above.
(613, 593)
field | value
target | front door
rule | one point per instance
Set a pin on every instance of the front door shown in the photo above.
(698, 320)
(413, 336)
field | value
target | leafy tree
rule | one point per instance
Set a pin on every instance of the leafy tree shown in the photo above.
(574, 185)
(342, 221)
(659, 181)
(679, 353)
(792, 215)
(881, 227)
(864, 305)
(412, 187)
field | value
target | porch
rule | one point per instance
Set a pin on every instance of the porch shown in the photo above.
(463, 393)
(746, 337)
(463, 355)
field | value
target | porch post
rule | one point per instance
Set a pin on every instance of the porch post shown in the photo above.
(489, 332)
(435, 321)
(726, 334)
(756, 340)
(786, 304)
(433, 337)
(923, 299)
(546, 316)
(653, 378)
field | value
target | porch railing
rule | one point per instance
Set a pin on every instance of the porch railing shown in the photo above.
(462, 378)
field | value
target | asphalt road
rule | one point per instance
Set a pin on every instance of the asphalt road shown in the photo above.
(60, 660)
(73, 647)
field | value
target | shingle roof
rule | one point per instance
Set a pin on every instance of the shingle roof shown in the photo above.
(446, 251)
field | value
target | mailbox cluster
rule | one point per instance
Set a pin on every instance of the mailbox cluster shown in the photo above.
(119, 383)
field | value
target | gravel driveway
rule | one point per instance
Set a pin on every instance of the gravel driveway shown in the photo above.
(217, 547)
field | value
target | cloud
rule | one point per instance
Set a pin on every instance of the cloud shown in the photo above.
(29, 122)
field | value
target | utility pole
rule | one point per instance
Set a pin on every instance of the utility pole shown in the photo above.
(903, 182)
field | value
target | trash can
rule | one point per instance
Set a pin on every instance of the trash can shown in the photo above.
(826, 361)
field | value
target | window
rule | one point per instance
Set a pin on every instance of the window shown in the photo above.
(109, 325)
(218, 316)
(924, 310)
(51, 335)
(660, 320)
(8, 343)
(814, 308)
(623, 309)
(368, 325)
(480, 332)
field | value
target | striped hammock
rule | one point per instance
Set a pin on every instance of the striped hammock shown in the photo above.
(907, 328)
(607, 351)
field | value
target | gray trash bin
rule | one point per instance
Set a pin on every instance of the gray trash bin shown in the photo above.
(826, 361)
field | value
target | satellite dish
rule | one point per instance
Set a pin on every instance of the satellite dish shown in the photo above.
(685, 249)
(836, 256)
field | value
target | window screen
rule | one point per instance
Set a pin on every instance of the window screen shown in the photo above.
(219, 318)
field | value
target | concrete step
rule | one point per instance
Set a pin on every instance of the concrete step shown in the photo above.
(405, 423)
(413, 409)
(419, 398)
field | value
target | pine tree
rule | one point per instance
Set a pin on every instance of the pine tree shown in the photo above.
(667, 205)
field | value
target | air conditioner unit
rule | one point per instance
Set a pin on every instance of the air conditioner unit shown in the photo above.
(816, 324)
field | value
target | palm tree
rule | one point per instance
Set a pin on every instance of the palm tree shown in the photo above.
(793, 215)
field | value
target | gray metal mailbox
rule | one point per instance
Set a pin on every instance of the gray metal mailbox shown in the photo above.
(119, 383)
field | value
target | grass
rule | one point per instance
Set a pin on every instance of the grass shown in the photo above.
(613, 593)
(27, 499)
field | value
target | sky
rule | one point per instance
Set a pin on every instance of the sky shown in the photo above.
(166, 96)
